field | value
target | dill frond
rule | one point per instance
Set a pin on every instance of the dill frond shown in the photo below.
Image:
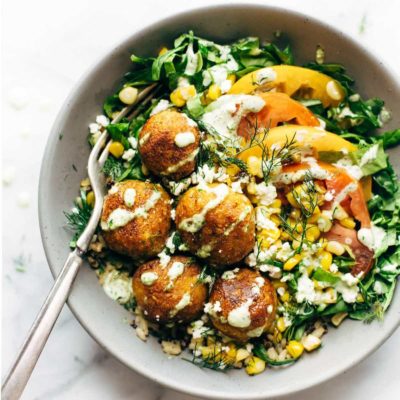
(79, 217)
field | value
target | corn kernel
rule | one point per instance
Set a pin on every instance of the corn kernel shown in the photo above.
(311, 342)
(241, 354)
(278, 284)
(214, 91)
(90, 198)
(276, 203)
(324, 223)
(329, 296)
(292, 262)
(85, 182)
(275, 219)
(177, 98)
(280, 324)
(295, 214)
(116, 149)
(295, 348)
(162, 51)
(232, 78)
(348, 223)
(312, 233)
(316, 214)
(187, 92)
(255, 366)
(333, 90)
(292, 201)
(335, 248)
(360, 298)
(231, 353)
(128, 95)
(285, 297)
(254, 166)
(271, 233)
(340, 213)
(232, 170)
(338, 318)
(325, 260)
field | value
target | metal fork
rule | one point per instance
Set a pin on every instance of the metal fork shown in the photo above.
(25, 362)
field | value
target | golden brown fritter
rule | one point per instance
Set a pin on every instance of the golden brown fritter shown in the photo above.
(158, 147)
(225, 230)
(170, 293)
(243, 304)
(144, 236)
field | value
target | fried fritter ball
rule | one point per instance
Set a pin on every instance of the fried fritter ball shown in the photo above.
(170, 292)
(136, 219)
(216, 223)
(169, 143)
(242, 304)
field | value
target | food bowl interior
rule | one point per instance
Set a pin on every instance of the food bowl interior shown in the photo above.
(104, 319)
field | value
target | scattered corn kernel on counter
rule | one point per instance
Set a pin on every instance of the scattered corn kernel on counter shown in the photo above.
(251, 205)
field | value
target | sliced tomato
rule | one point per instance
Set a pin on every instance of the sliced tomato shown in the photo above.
(354, 203)
(279, 108)
(364, 257)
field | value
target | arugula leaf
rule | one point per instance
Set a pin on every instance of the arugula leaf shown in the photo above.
(261, 352)
(119, 133)
(390, 138)
(324, 276)
(370, 158)
(112, 104)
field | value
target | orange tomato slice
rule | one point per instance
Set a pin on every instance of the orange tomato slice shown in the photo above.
(339, 180)
(279, 108)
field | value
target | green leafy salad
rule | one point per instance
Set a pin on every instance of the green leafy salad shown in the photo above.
(251, 203)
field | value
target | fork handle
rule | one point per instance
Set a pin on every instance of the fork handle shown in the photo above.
(22, 368)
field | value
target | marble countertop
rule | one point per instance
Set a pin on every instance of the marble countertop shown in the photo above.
(47, 45)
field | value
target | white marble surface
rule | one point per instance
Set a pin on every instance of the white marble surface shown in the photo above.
(46, 47)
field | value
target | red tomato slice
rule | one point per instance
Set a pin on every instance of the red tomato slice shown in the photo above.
(279, 107)
(354, 203)
(364, 257)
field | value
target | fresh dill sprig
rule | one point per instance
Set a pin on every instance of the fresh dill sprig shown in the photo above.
(307, 201)
(113, 168)
(215, 361)
(79, 217)
(272, 157)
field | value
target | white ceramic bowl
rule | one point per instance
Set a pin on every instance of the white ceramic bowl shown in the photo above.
(59, 184)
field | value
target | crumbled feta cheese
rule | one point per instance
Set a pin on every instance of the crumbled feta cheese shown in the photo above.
(164, 258)
(305, 290)
(102, 120)
(129, 154)
(266, 194)
(133, 142)
(162, 105)
(379, 287)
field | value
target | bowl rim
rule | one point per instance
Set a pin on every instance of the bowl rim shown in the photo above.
(53, 138)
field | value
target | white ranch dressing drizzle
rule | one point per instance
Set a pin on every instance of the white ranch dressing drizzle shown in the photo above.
(148, 278)
(225, 114)
(144, 138)
(120, 217)
(183, 302)
(240, 317)
(184, 139)
(173, 168)
(175, 270)
(129, 197)
(195, 223)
